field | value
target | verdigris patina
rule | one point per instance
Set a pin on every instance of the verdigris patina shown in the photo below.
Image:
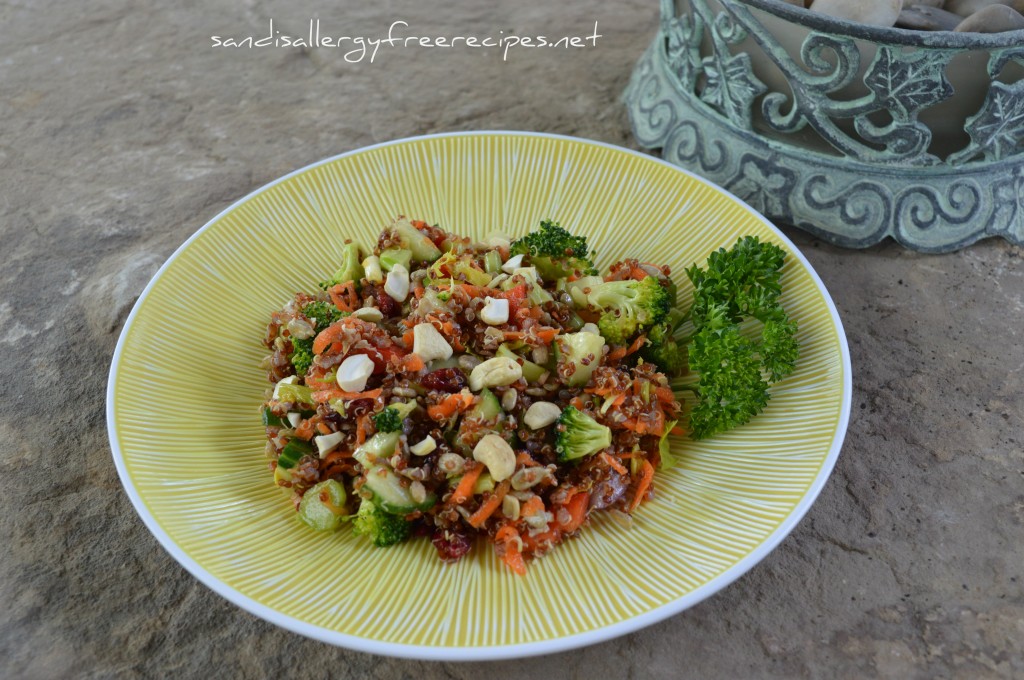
(842, 136)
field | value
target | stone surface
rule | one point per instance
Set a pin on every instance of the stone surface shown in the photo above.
(124, 131)
(925, 18)
(966, 8)
(870, 12)
(992, 19)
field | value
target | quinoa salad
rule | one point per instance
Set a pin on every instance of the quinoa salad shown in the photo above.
(436, 388)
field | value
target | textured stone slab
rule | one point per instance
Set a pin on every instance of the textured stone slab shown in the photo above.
(123, 132)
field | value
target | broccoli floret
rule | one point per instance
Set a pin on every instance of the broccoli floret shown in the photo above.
(555, 252)
(663, 350)
(388, 420)
(629, 307)
(382, 528)
(322, 313)
(302, 355)
(351, 268)
(580, 435)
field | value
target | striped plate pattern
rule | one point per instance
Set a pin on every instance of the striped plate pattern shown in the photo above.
(185, 388)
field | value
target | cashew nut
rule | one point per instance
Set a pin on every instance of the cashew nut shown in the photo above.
(527, 478)
(510, 507)
(499, 458)
(397, 283)
(541, 414)
(495, 311)
(451, 463)
(428, 343)
(495, 373)
(424, 447)
(371, 314)
(354, 372)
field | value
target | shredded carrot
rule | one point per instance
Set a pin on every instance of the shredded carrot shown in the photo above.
(464, 491)
(678, 431)
(614, 464)
(323, 428)
(577, 402)
(622, 352)
(314, 383)
(532, 507)
(638, 273)
(326, 337)
(523, 458)
(514, 559)
(643, 484)
(452, 403)
(487, 508)
(344, 296)
(407, 338)
(353, 295)
(506, 533)
(664, 394)
(532, 543)
(361, 430)
(644, 425)
(413, 363)
(547, 335)
(476, 291)
(334, 457)
(339, 301)
(577, 507)
(306, 428)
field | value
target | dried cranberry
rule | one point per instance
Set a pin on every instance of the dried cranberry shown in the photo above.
(449, 380)
(387, 305)
(360, 407)
(450, 545)
(334, 418)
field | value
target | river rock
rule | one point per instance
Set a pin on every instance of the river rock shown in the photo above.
(870, 12)
(992, 19)
(966, 8)
(926, 18)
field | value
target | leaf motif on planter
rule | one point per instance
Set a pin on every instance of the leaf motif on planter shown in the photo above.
(731, 87)
(683, 49)
(997, 130)
(906, 83)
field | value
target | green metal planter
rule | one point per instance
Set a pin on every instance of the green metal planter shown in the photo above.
(850, 132)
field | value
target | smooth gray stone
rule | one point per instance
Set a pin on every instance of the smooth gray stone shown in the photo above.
(924, 18)
(992, 19)
(870, 12)
(966, 8)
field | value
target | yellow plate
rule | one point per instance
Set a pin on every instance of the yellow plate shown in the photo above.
(184, 391)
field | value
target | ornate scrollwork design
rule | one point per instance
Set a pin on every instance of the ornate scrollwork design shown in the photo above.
(697, 95)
